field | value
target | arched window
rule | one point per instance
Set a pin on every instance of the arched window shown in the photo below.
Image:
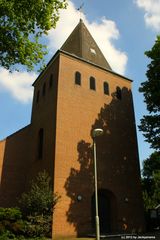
(77, 78)
(106, 88)
(44, 89)
(37, 97)
(118, 93)
(51, 81)
(40, 143)
(92, 83)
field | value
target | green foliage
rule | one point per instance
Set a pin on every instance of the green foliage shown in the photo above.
(38, 205)
(156, 182)
(150, 88)
(39, 200)
(151, 181)
(150, 124)
(10, 214)
(22, 24)
(151, 165)
(38, 226)
(148, 201)
(12, 226)
(34, 218)
(7, 235)
(11, 223)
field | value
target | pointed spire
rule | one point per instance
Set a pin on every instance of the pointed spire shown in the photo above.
(81, 43)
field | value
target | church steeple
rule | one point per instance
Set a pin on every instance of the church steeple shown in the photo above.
(81, 43)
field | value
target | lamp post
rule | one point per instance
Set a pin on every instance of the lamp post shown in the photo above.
(96, 133)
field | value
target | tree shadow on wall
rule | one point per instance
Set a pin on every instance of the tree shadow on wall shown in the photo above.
(114, 150)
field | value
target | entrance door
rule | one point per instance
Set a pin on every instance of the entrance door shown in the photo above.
(104, 208)
(104, 213)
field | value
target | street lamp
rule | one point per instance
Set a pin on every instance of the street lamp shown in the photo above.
(96, 133)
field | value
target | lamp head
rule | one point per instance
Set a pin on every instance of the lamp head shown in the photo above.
(97, 132)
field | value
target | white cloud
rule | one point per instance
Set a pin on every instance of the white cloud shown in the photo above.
(103, 33)
(152, 12)
(18, 84)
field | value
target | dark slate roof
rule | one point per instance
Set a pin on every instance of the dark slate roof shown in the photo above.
(81, 44)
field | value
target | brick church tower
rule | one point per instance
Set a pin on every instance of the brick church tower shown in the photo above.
(77, 92)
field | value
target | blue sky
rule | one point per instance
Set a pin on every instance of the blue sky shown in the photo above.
(123, 29)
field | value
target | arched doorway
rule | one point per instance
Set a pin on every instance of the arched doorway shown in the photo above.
(107, 208)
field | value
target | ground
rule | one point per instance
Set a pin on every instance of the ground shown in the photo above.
(146, 236)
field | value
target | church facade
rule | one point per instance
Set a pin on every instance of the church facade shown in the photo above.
(76, 93)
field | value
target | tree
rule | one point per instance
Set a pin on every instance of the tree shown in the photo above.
(22, 24)
(151, 181)
(39, 200)
(151, 165)
(150, 124)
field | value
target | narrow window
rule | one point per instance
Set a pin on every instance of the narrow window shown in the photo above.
(40, 143)
(77, 78)
(37, 98)
(92, 83)
(44, 89)
(118, 93)
(51, 81)
(106, 88)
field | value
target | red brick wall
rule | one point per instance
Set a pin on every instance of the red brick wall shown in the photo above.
(2, 148)
(79, 110)
(14, 157)
(44, 116)
(19, 161)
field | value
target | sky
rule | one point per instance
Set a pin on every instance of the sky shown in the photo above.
(123, 29)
